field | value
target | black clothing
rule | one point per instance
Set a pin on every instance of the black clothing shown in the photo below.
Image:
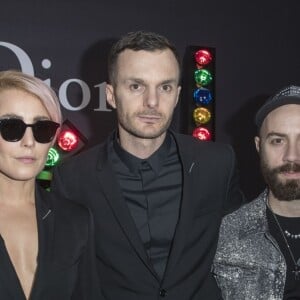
(209, 190)
(65, 262)
(152, 191)
(292, 286)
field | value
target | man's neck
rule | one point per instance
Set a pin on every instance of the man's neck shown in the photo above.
(284, 208)
(141, 148)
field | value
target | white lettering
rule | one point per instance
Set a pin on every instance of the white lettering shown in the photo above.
(26, 66)
(102, 97)
(46, 64)
(23, 58)
(62, 93)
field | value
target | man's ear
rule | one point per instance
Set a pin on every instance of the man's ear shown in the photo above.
(110, 95)
(178, 94)
(257, 145)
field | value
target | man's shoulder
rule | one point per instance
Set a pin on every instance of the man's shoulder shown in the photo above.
(87, 155)
(63, 207)
(193, 144)
(244, 217)
(240, 229)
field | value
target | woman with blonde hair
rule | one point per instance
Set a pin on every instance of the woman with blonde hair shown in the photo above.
(46, 249)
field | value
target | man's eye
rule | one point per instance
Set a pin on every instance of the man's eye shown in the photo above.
(136, 87)
(166, 88)
(277, 141)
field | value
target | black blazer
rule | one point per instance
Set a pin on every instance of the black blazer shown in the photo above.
(210, 190)
(65, 266)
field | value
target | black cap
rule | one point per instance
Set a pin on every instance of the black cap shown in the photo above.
(288, 95)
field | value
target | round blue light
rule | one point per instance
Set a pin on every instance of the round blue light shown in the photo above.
(202, 96)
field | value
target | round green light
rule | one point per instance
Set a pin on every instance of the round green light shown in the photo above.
(52, 158)
(203, 77)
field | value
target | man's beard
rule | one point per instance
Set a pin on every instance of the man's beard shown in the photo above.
(283, 191)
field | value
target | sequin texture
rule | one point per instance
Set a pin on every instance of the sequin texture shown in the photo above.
(248, 264)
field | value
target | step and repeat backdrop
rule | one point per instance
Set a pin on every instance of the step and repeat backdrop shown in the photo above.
(254, 51)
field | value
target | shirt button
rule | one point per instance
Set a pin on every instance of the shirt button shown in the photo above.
(163, 293)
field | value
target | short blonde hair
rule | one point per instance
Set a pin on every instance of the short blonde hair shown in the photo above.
(12, 79)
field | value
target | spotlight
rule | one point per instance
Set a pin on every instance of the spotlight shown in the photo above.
(202, 133)
(203, 57)
(67, 140)
(201, 115)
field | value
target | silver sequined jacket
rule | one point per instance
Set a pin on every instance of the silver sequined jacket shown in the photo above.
(248, 264)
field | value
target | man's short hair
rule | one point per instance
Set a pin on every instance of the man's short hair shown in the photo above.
(136, 41)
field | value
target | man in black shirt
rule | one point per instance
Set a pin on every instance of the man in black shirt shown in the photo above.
(258, 254)
(157, 197)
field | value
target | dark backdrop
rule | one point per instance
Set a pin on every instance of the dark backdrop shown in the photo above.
(65, 43)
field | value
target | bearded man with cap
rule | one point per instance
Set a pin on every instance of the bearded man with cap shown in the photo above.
(258, 254)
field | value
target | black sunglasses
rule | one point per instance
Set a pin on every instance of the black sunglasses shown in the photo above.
(12, 130)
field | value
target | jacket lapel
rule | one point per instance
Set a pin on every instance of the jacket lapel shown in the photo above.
(186, 213)
(45, 223)
(8, 277)
(113, 195)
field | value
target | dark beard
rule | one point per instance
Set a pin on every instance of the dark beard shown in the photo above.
(283, 191)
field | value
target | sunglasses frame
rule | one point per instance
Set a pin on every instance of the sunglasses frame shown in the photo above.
(38, 130)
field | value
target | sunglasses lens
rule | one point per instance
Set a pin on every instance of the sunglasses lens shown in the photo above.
(44, 131)
(12, 130)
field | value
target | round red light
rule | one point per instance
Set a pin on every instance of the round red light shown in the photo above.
(202, 133)
(203, 57)
(67, 140)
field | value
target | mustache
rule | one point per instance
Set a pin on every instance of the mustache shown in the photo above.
(149, 113)
(289, 167)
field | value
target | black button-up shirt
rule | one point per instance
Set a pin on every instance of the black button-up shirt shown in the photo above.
(152, 189)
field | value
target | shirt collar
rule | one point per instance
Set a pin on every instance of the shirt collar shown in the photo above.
(155, 161)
